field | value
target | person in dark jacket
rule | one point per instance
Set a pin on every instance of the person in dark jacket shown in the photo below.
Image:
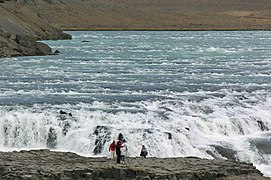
(144, 152)
(120, 137)
(119, 146)
(118, 150)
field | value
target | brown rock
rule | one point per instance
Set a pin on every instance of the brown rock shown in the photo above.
(27, 45)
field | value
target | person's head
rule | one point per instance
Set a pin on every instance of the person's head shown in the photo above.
(120, 136)
(114, 141)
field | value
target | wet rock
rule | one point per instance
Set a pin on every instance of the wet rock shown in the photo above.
(51, 139)
(262, 126)
(263, 145)
(206, 109)
(56, 52)
(241, 97)
(224, 152)
(66, 121)
(64, 113)
(102, 136)
(62, 35)
(169, 135)
(66, 127)
(7, 127)
(41, 49)
(146, 132)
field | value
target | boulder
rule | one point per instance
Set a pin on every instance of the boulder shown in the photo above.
(225, 152)
(27, 45)
(262, 144)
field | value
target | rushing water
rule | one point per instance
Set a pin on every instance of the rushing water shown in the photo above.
(205, 94)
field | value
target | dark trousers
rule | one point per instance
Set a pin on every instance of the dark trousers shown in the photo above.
(123, 158)
(118, 158)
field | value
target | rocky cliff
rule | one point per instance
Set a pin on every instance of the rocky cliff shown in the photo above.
(45, 164)
(21, 28)
(23, 22)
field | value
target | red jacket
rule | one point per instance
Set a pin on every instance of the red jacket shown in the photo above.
(113, 146)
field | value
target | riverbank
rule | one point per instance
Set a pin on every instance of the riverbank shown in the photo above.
(39, 164)
(23, 23)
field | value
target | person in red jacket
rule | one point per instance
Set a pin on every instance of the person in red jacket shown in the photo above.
(112, 149)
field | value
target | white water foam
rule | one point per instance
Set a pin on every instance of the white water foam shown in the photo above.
(167, 129)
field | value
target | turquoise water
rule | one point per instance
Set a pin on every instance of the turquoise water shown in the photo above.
(205, 88)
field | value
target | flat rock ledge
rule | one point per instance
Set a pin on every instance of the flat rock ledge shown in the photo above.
(46, 164)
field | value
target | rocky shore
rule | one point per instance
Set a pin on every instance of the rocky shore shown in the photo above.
(21, 28)
(25, 22)
(45, 164)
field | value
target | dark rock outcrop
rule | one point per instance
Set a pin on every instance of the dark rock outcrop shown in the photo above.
(263, 145)
(262, 126)
(51, 139)
(45, 164)
(28, 45)
(102, 136)
(169, 135)
(66, 121)
(225, 152)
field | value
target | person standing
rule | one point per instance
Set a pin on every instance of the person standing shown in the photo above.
(120, 137)
(143, 152)
(124, 152)
(119, 145)
(118, 151)
(112, 149)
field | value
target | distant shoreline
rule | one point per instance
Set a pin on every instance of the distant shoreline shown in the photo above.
(156, 29)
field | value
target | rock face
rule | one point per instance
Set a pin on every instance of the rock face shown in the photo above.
(45, 164)
(102, 135)
(21, 27)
